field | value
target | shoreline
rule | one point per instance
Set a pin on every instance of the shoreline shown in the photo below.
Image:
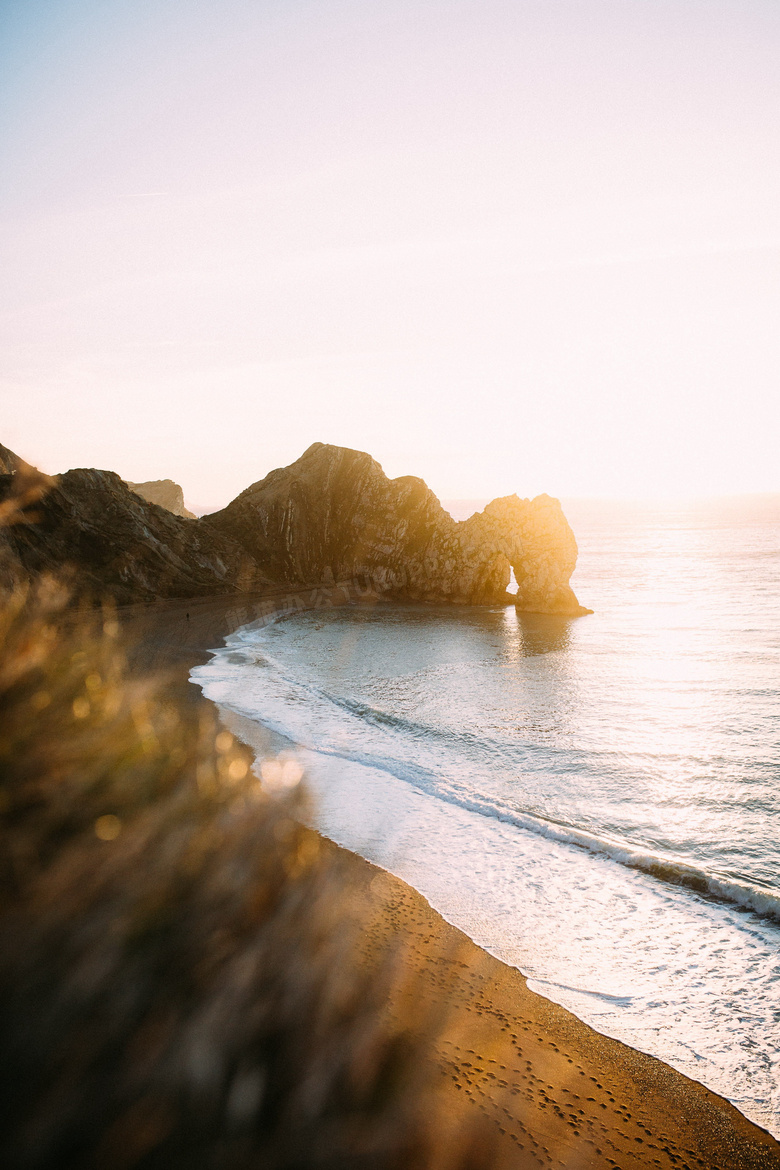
(549, 1088)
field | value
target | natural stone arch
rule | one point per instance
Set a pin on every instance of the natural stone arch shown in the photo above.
(334, 514)
(535, 538)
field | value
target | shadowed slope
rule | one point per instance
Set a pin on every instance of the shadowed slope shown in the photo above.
(118, 544)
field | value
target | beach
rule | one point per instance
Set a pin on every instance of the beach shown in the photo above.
(546, 1088)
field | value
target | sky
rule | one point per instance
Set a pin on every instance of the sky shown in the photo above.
(505, 245)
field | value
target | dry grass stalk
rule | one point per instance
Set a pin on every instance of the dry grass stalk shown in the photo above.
(178, 979)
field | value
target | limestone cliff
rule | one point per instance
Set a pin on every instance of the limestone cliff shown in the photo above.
(163, 492)
(9, 462)
(334, 514)
(90, 526)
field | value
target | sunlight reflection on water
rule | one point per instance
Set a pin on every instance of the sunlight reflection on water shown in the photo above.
(466, 750)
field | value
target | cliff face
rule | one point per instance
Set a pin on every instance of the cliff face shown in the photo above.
(9, 462)
(334, 514)
(21, 486)
(163, 492)
(118, 544)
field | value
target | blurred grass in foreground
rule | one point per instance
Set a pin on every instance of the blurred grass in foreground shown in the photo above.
(179, 977)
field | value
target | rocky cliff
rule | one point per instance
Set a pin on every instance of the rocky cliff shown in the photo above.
(334, 514)
(163, 492)
(91, 525)
(9, 462)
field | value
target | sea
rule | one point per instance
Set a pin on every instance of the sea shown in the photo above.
(593, 800)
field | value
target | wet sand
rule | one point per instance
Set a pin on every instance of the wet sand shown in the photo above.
(546, 1088)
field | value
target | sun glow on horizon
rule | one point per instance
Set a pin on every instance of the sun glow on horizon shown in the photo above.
(507, 249)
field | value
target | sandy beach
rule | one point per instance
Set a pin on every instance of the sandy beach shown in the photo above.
(545, 1087)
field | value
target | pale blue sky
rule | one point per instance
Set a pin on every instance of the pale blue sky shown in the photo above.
(502, 245)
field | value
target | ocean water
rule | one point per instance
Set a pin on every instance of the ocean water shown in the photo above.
(594, 800)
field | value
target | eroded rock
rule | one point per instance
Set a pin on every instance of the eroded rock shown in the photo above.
(334, 514)
(9, 461)
(537, 541)
(165, 493)
(112, 542)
